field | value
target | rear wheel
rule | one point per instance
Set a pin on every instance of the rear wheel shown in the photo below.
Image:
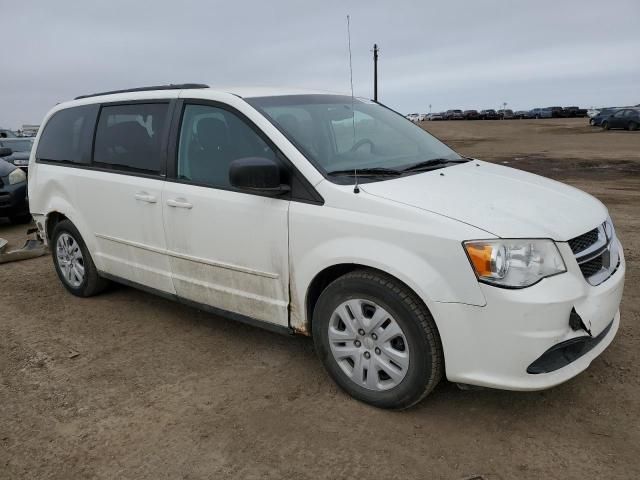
(605, 125)
(377, 340)
(632, 126)
(73, 263)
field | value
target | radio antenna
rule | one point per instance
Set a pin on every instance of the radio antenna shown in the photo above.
(356, 189)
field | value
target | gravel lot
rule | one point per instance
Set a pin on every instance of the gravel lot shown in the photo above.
(128, 385)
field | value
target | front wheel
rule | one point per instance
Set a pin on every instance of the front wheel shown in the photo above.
(377, 340)
(605, 125)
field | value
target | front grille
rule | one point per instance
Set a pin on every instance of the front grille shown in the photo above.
(591, 267)
(5, 199)
(596, 253)
(584, 241)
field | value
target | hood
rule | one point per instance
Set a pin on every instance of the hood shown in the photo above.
(503, 201)
(6, 168)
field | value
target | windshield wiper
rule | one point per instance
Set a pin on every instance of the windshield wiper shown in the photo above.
(432, 164)
(367, 172)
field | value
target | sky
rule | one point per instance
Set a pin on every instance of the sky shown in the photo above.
(446, 53)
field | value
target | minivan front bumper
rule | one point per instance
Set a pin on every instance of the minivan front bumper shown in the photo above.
(499, 344)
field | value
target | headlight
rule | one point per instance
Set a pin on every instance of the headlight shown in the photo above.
(17, 176)
(514, 263)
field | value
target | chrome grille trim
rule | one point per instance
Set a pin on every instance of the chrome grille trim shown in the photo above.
(601, 259)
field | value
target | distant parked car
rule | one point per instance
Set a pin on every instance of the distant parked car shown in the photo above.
(413, 117)
(436, 117)
(489, 114)
(574, 112)
(4, 133)
(521, 114)
(20, 151)
(471, 115)
(556, 112)
(505, 114)
(602, 114)
(13, 193)
(454, 115)
(592, 112)
(541, 113)
(626, 118)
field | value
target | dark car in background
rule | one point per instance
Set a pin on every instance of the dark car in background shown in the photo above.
(454, 115)
(556, 112)
(625, 118)
(489, 114)
(574, 112)
(471, 115)
(541, 113)
(521, 114)
(20, 151)
(13, 193)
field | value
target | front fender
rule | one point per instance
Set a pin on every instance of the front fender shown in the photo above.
(434, 267)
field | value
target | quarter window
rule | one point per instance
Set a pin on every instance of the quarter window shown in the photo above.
(129, 137)
(67, 135)
(210, 139)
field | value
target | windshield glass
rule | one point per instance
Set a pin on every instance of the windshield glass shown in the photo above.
(336, 138)
(17, 145)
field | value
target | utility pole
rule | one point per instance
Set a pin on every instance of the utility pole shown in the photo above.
(375, 72)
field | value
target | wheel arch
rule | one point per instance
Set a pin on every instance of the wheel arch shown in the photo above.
(52, 219)
(327, 275)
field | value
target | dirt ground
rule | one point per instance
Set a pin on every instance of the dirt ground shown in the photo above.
(128, 385)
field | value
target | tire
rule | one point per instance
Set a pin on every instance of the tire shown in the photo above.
(592, 122)
(391, 304)
(605, 125)
(633, 126)
(65, 233)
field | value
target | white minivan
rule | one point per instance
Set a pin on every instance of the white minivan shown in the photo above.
(323, 215)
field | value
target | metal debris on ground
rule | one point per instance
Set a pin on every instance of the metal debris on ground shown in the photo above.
(33, 247)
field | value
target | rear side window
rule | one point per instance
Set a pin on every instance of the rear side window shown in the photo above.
(67, 135)
(129, 137)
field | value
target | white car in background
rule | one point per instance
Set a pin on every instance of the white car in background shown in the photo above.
(321, 215)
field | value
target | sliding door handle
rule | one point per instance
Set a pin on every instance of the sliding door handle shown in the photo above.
(180, 203)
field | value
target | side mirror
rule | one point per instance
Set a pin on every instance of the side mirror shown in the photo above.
(258, 175)
(5, 152)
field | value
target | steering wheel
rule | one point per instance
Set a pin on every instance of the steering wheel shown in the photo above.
(360, 143)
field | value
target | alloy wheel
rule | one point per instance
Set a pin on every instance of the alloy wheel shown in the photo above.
(70, 260)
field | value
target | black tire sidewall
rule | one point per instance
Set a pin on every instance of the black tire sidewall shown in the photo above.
(412, 387)
(66, 226)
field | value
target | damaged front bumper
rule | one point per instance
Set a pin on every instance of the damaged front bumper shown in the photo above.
(527, 339)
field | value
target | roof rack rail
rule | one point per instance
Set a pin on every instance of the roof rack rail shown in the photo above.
(172, 86)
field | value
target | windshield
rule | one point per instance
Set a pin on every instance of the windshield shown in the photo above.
(17, 145)
(336, 138)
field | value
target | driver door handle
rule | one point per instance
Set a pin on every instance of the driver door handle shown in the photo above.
(180, 203)
(145, 197)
